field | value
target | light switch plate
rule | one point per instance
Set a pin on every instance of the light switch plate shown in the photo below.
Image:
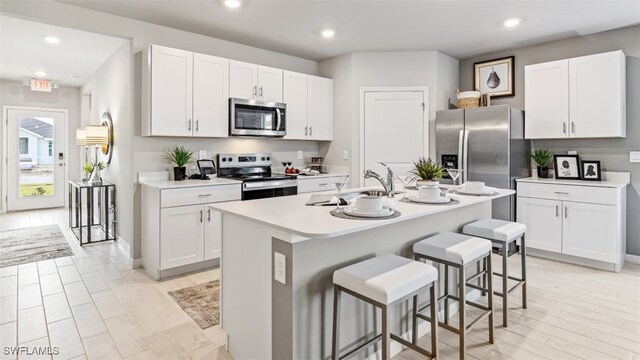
(572, 152)
(634, 156)
(280, 267)
(202, 154)
(299, 155)
(345, 155)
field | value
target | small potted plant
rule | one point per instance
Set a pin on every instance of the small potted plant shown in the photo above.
(426, 172)
(180, 156)
(542, 158)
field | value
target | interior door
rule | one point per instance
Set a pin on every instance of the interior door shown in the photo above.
(295, 96)
(210, 96)
(395, 131)
(243, 80)
(544, 223)
(182, 231)
(35, 158)
(546, 100)
(588, 231)
(269, 84)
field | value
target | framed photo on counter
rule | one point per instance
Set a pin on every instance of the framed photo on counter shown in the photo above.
(495, 77)
(591, 170)
(567, 167)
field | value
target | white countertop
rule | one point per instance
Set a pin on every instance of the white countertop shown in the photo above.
(170, 184)
(290, 214)
(604, 183)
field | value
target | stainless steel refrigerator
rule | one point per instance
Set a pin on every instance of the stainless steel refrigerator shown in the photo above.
(488, 145)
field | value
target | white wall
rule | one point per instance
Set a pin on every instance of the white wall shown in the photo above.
(145, 153)
(16, 94)
(351, 72)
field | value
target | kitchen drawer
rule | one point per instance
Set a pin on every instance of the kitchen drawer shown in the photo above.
(199, 195)
(306, 185)
(587, 194)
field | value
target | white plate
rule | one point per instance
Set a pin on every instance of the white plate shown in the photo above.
(441, 200)
(486, 191)
(350, 210)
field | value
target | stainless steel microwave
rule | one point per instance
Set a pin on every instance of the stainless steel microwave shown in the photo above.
(257, 118)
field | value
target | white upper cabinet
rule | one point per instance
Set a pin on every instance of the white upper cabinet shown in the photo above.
(171, 88)
(546, 98)
(185, 94)
(320, 108)
(581, 97)
(295, 96)
(597, 91)
(251, 81)
(210, 96)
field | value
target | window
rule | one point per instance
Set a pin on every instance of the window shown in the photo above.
(24, 145)
(50, 148)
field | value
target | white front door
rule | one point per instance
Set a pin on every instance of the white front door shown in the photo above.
(396, 131)
(35, 158)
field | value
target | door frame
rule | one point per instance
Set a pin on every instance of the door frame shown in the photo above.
(361, 140)
(4, 150)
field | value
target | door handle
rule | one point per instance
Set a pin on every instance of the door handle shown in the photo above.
(310, 130)
(573, 127)
(261, 92)
(561, 193)
(460, 135)
(557, 210)
(306, 130)
(255, 91)
(465, 172)
(564, 127)
(197, 125)
(201, 216)
(209, 215)
(566, 212)
(189, 124)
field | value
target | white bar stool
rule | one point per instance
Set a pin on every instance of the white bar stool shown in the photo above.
(502, 233)
(385, 281)
(458, 250)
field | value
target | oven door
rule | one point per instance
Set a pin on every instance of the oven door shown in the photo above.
(256, 118)
(269, 189)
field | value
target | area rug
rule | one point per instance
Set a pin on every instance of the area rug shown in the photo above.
(22, 246)
(201, 302)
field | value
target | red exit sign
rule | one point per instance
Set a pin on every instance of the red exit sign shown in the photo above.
(41, 85)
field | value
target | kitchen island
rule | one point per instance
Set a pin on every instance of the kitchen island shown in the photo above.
(274, 311)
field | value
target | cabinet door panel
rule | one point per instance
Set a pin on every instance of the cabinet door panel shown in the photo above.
(544, 223)
(546, 100)
(320, 108)
(243, 80)
(182, 233)
(212, 234)
(270, 84)
(171, 91)
(295, 96)
(590, 231)
(597, 95)
(210, 96)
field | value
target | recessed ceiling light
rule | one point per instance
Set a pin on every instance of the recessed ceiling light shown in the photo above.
(41, 74)
(232, 3)
(74, 77)
(512, 22)
(328, 33)
(51, 39)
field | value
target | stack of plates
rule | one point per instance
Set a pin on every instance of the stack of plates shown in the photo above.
(353, 211)
(440, 200)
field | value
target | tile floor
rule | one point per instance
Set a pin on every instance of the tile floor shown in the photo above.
(93, 305)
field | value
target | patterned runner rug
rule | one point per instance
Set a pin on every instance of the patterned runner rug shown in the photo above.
(22, 246)
(201, 302)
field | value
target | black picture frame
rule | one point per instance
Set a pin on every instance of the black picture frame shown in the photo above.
(569, 170)
(590, 170)
(508, 73)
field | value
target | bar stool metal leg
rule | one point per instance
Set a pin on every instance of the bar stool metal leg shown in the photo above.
(335, 346)
(523, 254)
(505, 284)
(433, 301)
(414, 316)
(446, 292)
(386, 338)
(462, 280)
(490, 299)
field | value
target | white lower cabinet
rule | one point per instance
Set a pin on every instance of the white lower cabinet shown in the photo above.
(585, 222)
(180, 233)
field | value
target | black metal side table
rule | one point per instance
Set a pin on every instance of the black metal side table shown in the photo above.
(99, 203)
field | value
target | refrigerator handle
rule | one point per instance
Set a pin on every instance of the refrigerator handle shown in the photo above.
(460, 136)
(465, 172)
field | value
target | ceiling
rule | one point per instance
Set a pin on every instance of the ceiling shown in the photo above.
(458, 28)
(23, 51)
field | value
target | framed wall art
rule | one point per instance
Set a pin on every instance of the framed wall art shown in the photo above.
(567, 167)
(495, 77)
(591, 170)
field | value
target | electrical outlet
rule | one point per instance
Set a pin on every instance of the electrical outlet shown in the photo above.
(280, 267)
(634, 156)
(572, 152)
(202, 154)
(299, 155)
(345, 155)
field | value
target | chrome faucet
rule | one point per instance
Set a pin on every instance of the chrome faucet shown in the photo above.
(388, 185)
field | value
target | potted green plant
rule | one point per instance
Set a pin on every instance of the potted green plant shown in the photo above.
(542, 158)
(180, 156)
(426, 172)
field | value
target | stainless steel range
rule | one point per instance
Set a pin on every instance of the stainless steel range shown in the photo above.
(254, 170)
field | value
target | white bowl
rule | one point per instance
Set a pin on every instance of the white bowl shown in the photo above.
(428, 193)
(369, 203)
(474, 186)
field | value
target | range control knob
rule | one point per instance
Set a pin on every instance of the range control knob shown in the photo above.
(268, 158)
(224, 159)
(262, 158)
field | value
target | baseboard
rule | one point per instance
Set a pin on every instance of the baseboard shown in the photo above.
(634, 259)
(136, 263)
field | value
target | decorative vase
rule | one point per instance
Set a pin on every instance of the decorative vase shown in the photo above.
(179, 173)
(429, 183)
(95, 178)
(543, 172)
